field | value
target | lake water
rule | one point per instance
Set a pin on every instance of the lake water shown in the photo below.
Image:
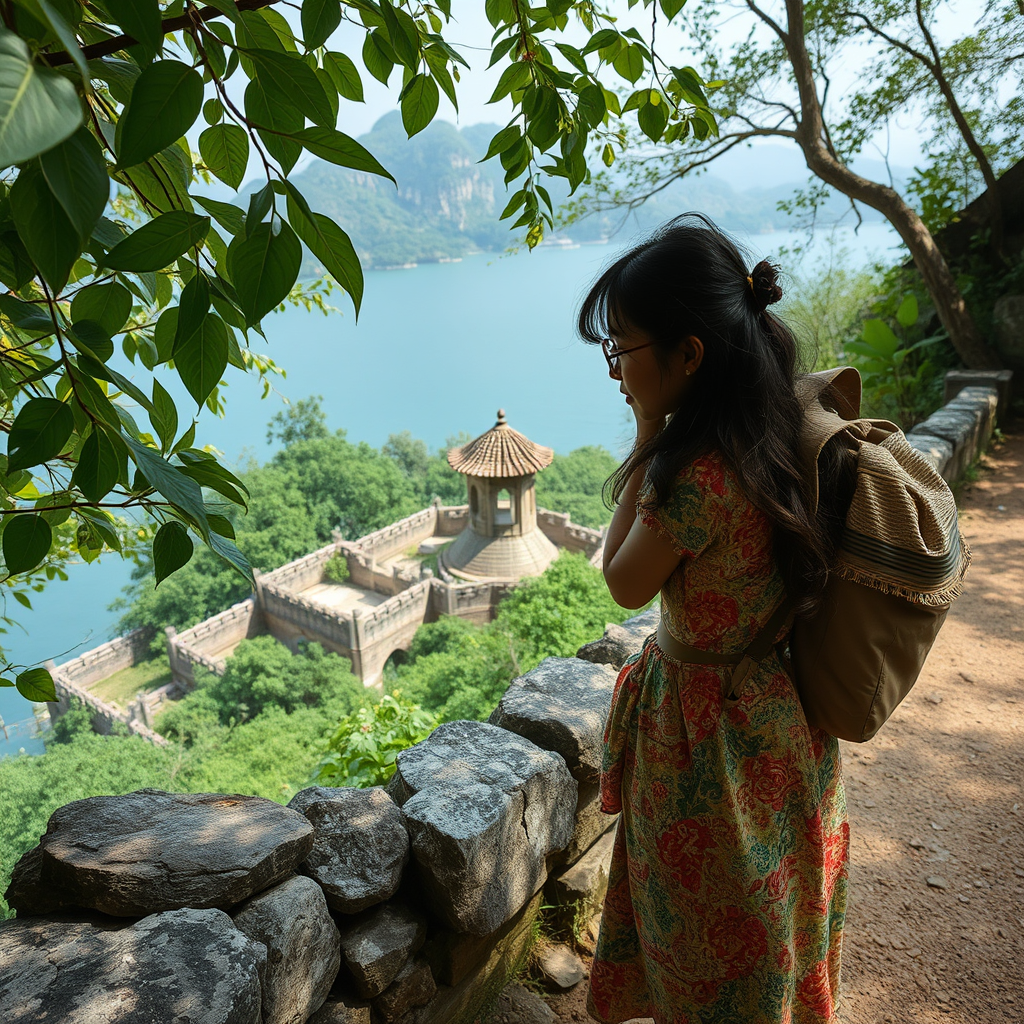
(438, 349)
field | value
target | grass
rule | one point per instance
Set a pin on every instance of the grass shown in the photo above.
(121, 687)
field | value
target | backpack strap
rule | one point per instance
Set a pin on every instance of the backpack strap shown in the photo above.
(759, 647)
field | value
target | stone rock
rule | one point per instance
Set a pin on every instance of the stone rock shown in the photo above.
(621, 642)
(961, 428)
(343, 1010)
(180, 965)
(518, 1005)
(303, 948)
(937, 882)
(589, 823)
(560, 966)
(376, 949)
(360, 846)
(151, 851)
(504, 957)
(1001, 380)
(484, 808)
(562, 705)
(313, 795)
(586, 882)
(27, 893)
(1008, 330)
(413, 987)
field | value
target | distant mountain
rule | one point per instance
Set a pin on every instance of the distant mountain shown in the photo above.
(447, 203)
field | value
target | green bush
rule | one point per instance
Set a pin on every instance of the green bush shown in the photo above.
(336, 569)
(365, 744)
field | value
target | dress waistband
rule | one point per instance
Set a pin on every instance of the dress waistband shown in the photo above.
(679, 651)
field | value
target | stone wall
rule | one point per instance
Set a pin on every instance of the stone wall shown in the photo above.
(410, 904)
(560, 530)
(380, 631)
(953, 437)
(291, 618)
(390, 540)
(73, 679)
(201, 645)
(303, 572)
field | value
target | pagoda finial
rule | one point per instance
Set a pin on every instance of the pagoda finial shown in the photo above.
(501, 417)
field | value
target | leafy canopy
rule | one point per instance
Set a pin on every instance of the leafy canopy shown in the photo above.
(117, 272)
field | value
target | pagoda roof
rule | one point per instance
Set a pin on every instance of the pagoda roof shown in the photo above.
(500, 452)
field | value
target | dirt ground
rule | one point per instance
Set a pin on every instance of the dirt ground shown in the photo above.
(935, 931)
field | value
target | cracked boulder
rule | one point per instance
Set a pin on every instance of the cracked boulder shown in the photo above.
(303, 947)
(562, 705)
(360, 845)
(181, 965)
(150, 851)
(484, 808)
(621, 642)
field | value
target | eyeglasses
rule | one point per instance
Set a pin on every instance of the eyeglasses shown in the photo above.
(611, 353)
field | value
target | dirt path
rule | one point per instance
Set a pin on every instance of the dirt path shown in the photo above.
(935, 931)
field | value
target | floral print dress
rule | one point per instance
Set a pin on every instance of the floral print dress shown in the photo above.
(727, 890)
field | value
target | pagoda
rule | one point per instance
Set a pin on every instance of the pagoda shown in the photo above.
(501, 541)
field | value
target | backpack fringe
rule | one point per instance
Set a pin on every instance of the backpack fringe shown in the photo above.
(887, 585)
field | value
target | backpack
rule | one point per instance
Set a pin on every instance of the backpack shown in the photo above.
(899, 564)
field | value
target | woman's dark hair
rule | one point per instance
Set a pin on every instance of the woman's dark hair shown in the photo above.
(689, 278)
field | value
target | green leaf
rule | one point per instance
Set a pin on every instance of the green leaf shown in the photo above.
(98, 465)
(630, 62)
(337, 148)
(264, 267)
(608, 155)
(907, 314)
(652, 119)
(329, 244)
(319, 19)
(172, 548)
(202, 358)
(591, 105)
(38, 107)
(36, 684)
(419, 104)
(505, 139)
(225, 148)
(174, 485)
(90, 338)
(345, 76)
(193, 306)
(62, 30)
(159, 243)
(402, 34)
(878, 334)
(671, 7)
(109, 305)
(25, 315)
(49, 237)
(293, 81)
(260, 203)
(230, 553)
(141, 19)
(165, 103)
(26, 542)
(39, 433)
(227, 216)
(164, 414)
(376, 58)
(267, 110)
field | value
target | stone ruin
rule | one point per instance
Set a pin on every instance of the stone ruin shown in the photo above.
(409, 904)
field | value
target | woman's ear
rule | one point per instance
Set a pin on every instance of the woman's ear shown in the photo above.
(694, 349)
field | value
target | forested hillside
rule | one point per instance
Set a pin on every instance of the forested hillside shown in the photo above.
(447, 203)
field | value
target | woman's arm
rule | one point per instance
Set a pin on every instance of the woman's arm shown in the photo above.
(637, 561)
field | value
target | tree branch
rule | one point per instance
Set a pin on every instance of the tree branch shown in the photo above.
(770, 22)
(169, 25)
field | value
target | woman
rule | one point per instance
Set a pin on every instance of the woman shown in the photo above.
(727, 892)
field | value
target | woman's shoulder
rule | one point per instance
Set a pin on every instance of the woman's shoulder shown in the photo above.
(709, 474)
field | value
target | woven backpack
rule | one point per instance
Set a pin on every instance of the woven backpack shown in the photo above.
(900, 563)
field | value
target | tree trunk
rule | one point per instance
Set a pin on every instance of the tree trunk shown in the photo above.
(938, 278)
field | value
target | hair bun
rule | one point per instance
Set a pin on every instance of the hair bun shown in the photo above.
(764, 283)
